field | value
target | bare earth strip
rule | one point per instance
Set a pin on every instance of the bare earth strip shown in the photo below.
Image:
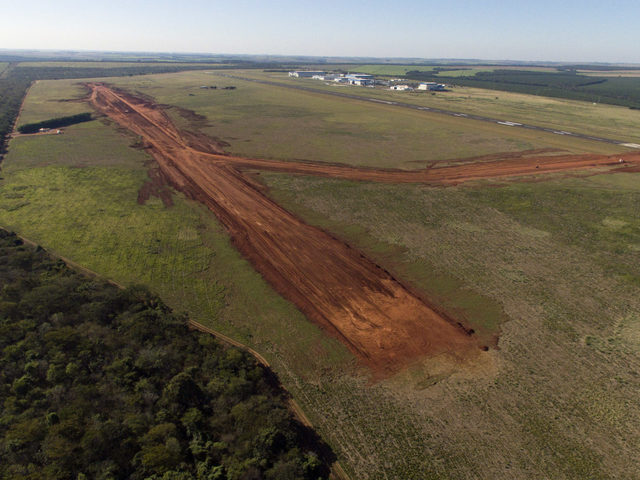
(379, 319)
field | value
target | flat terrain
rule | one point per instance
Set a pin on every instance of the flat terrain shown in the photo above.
(587, 118)
(44, 98)
(551, 258)
(133, 63)
(261, 121)
(446, 70)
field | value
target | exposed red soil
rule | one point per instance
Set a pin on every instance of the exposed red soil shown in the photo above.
(492, 156)
(156, 186)
(449, 175)
(337, 287)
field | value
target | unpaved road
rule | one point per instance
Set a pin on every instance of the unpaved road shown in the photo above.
(450, 175)
(377, 318)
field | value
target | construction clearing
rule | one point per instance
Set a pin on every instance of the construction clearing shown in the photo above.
(381, 321)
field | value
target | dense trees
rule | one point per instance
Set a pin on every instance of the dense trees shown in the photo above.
(98, 382)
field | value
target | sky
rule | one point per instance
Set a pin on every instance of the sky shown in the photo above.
(551, 30)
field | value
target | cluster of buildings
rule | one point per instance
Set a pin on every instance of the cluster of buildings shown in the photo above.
(361, 79)
(431, 86)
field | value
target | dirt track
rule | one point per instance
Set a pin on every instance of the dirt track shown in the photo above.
(379, 319)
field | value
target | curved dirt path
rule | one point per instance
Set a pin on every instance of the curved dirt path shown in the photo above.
(449, 175)
(373, 314)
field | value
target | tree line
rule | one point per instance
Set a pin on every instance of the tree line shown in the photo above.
(55, 123)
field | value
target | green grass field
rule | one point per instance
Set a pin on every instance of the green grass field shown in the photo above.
(610, 73)
(53, 99)
(552, 263)
(3, 66)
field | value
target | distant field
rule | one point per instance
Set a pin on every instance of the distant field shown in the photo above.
(611, 73)
(45, 103)
(560, 84)
(550, 263)
(265, 121)
(387, 69)
(107, 64)
(3, 66)
(443, 70)
(611, 85)
(582, 117)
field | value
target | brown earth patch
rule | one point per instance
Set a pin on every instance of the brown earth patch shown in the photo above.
(156, 186)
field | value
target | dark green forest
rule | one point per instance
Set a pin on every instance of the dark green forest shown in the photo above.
(97, 382)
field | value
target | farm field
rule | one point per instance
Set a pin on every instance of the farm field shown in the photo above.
(262, 121)
(611, 73)
(566, 302)
(3, 66)
(602, 120)
(379, 69)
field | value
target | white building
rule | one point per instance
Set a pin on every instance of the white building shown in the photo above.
(305, 74)
(400, 87)
(329, 77)
(362, 79)
(432, 86)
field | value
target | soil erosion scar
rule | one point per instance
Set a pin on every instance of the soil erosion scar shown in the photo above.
(379, 319)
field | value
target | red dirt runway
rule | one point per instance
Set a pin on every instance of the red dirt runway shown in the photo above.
(378, 318)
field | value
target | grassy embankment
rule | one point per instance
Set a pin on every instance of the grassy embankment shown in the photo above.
(568, 356)
(609, 121)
